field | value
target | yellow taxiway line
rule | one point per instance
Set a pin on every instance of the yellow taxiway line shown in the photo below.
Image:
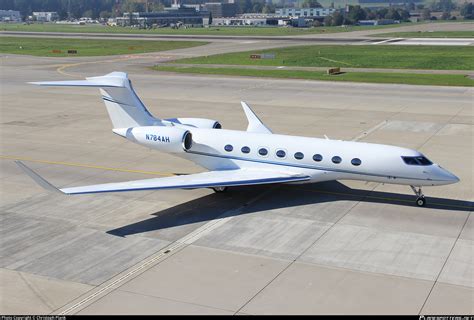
(71, 164)
(61, 68)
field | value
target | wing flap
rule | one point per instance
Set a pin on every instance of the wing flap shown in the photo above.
(209, 179)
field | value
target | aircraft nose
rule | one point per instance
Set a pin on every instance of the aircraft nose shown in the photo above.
(448, 176)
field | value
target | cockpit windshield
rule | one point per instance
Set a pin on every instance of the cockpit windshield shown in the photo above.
(417, 161)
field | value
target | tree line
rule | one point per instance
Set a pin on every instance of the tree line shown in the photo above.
(401, 13)
(111, 8)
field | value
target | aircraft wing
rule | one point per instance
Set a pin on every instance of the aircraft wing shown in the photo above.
(226, 178)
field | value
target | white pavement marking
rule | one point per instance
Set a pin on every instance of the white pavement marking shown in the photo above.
(366, 133)
(436, 41)
(156, 258)
(388, 40)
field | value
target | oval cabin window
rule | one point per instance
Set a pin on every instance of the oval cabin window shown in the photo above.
(336, 159)
(356, 162)
(245, 149)
(281, 154)
(228, 148)
(299, 156)
(317, 157)
(262, 151)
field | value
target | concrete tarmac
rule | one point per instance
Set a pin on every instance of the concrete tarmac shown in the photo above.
(329, 248)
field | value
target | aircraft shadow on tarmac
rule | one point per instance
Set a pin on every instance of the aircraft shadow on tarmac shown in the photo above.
(227, 204)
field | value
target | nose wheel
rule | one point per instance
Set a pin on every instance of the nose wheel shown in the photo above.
(420, 200)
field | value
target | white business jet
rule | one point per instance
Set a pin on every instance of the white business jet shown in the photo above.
(252, 157)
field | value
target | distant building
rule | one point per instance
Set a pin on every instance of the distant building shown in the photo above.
(261, 19)
(170, 16)
(10, 16)
(239, 21)
(304, 12)
(44, 16)
(220, 10)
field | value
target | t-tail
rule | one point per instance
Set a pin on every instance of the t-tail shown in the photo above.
(125, 108)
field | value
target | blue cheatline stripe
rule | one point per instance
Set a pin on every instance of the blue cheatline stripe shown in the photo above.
(203, 185)
(111, 100)
(125, 104)
(301, 166)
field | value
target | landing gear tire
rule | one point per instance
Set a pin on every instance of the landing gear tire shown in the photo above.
(219, 189)
(421, 201)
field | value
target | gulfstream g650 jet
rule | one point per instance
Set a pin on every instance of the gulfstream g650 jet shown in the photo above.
(255, 156)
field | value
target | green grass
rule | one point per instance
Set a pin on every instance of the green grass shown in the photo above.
(401, 78)
(230, 31)
(420, 34)
(367, 56)
(86, 47)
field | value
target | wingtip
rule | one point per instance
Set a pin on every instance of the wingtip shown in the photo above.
(37, 178)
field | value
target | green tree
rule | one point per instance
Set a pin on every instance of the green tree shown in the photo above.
(392, 14)
(467, 10)
(268, 8)
(443, 5)
(328, 21)
(88, 13)
(404, 15)
(356, 13)
(381, 13)
(337, 19)
(132, 6)
(257, 7)
(426, 14)
(105, 14)
(311, 4)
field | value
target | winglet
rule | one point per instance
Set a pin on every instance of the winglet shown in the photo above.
(255, 124)
(38, 179)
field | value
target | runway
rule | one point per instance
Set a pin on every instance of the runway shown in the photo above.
(322, 39)
(332, 248)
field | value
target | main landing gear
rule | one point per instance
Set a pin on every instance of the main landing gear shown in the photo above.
(219, 189)
(420, 200)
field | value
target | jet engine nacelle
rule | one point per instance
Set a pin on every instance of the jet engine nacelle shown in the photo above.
(197, 122)
(162, 138)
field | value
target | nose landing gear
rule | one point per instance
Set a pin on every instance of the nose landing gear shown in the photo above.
(420, 200)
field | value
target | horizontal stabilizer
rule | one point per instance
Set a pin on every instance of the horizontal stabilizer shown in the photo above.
(227, 178)
(111, 80)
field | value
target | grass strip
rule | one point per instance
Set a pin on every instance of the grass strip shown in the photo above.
(58, 47)
(363, 56)
(373, 77)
